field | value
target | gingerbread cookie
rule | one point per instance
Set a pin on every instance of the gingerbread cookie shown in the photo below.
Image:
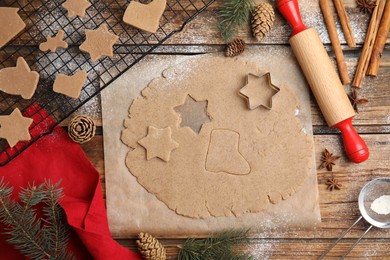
(10, 24)
(15, 127)
(70, 85)
(158, 143)
(19, 80)
(52, 43)
(76, 7)
(99, 42)
(145, 17)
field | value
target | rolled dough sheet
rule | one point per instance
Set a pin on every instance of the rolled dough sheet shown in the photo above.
(132, 209)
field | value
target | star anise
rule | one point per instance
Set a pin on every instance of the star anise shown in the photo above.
(333, 184)
(366, 6)
(328, 160)
(355, 100)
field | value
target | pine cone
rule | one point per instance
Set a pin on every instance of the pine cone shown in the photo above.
(150, 247)
(235, 48)
(81, 129)
(263, 17)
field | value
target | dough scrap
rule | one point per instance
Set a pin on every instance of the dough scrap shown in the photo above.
(52, 43)
(259, 91)
(14, 127)
(224, 153)
(10, 24)
(158, 143)
(145, 17)
(271, 141)
(76, 7)
(70, 85)
(19, 80)
(99, 42)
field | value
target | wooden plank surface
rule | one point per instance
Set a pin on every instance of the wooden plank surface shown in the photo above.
(338, 208)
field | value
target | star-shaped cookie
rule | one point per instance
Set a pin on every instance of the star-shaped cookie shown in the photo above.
(99, 42)
(193, 114)
(14, 127)
(76, 7)
(259, 91)
(158, 143)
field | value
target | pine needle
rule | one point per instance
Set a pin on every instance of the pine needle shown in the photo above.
(36, 238)
(218, 246)
(233, 14)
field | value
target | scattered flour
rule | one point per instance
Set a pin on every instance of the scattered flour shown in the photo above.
(381, 205)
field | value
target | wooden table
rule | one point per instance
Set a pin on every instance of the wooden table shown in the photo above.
(339, 208)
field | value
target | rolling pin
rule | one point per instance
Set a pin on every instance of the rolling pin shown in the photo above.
(323, 80)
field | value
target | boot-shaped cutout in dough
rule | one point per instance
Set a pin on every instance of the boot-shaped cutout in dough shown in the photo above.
(145, 17)
(224, 155)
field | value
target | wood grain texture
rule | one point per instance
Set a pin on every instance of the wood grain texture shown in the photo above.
(322, 77)
(339, 208)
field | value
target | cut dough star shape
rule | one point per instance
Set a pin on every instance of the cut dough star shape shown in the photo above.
(99, 42)
(193, 114)
(158, 143)
(259, 91)
(15, 127)
(76, 7)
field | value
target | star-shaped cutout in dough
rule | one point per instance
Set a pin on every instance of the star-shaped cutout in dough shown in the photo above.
(158, 143)
(76, 7)
(259, 91)
(99, 42)
(193, 114)
(15, 127)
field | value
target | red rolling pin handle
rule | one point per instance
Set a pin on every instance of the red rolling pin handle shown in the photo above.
(355, 146)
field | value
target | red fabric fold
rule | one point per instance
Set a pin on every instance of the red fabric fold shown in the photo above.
(55, 157)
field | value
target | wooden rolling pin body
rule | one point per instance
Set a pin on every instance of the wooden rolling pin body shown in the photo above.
(321, 76)
(323, 80)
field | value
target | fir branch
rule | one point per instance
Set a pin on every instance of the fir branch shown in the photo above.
(233, 14)
(218, 246)
(22, 229)
(36, 238)
(55, 231)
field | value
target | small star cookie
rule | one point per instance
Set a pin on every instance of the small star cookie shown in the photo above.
(99, 42)
(76, 7)
(15, 127)
(259, 91)
(158, 143)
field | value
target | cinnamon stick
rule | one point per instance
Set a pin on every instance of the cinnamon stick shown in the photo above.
(344, 21)
(334, 38)
(380, 42)
(368, 44)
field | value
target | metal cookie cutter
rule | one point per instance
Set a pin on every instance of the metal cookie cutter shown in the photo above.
(370, 192)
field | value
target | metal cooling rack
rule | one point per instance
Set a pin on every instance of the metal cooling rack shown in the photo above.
(45, 17)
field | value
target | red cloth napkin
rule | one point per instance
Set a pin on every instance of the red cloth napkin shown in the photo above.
(55, 157)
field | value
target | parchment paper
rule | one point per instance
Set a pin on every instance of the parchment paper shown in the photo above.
(131, 209)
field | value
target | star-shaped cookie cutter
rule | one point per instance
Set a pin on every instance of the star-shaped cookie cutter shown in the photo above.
(259, 94)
